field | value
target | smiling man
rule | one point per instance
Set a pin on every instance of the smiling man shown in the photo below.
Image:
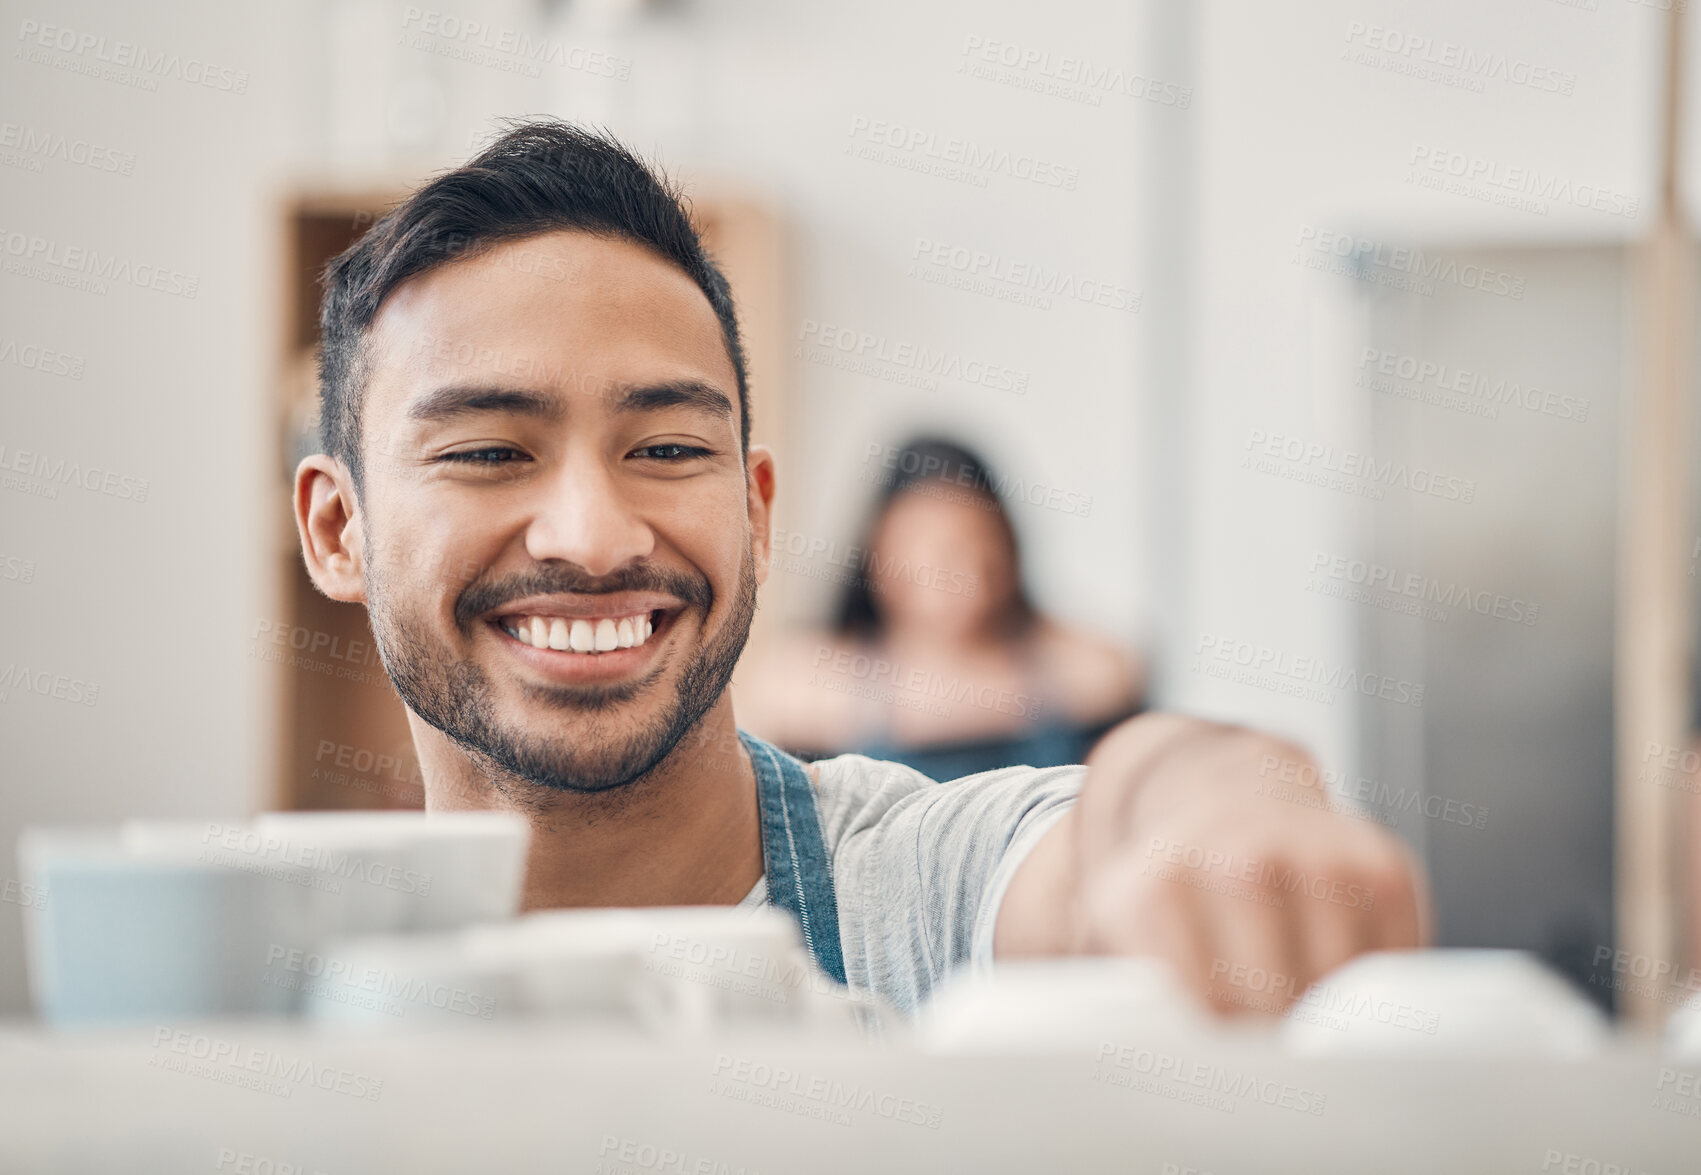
(531, 375)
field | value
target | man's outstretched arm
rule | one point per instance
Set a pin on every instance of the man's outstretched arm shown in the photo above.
(1216, 848)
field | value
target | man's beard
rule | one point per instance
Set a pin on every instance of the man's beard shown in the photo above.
(455, 696)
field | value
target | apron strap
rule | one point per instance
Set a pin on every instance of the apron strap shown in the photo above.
(799, 870)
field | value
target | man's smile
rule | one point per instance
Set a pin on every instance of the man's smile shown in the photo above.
(600, 635)
(596, 637)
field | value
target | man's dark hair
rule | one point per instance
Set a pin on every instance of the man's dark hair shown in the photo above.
(536, 178)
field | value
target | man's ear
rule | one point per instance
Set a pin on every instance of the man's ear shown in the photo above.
(328, 520)
(759, 487)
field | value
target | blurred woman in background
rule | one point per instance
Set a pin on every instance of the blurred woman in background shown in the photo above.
(938, 658)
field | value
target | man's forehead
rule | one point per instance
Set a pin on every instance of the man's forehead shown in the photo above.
(563, 310)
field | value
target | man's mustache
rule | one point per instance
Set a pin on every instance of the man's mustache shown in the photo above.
(486, 596)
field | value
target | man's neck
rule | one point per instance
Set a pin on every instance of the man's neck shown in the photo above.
(686, 833)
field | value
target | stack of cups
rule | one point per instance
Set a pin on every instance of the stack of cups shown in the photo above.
(180, 920)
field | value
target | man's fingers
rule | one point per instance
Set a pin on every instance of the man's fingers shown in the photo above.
(1329, 937)
(1130, 909)
(1370, 903)
(1254, 954)
(1250, 896)
(1402, 920)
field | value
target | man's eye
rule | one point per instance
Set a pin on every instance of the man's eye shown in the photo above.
(497, 455)
(671, 452)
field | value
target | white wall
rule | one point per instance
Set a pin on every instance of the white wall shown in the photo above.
(153, 600)
(1290, 133)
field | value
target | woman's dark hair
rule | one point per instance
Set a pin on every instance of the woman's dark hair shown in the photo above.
(537, 177)
(930, 465)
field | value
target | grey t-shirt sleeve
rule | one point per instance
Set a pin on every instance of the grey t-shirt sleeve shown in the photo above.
(920, 867)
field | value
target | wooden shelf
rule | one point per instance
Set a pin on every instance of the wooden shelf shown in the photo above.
(344, 732)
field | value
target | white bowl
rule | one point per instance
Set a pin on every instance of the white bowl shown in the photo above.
(1480, 1003)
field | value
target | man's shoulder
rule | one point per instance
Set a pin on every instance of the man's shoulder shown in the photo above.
(857, 794)
(851, 772)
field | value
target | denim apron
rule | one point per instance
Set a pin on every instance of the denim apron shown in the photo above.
(799, 870)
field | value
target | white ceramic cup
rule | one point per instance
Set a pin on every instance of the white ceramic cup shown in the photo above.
(158, 931)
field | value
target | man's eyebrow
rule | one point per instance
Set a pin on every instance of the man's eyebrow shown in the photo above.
(446, 403)
(690, 393)
(461, 400)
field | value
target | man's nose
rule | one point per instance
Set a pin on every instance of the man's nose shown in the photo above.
(586, 520)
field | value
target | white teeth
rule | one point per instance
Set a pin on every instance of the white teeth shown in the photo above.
(602, 635)
(583, 639)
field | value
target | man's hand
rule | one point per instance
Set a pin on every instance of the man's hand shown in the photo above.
(1219, 850)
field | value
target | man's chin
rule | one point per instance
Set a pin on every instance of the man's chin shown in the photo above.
(577, 738)
(582, 764)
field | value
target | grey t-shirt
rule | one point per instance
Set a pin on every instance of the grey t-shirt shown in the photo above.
(920, 867)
